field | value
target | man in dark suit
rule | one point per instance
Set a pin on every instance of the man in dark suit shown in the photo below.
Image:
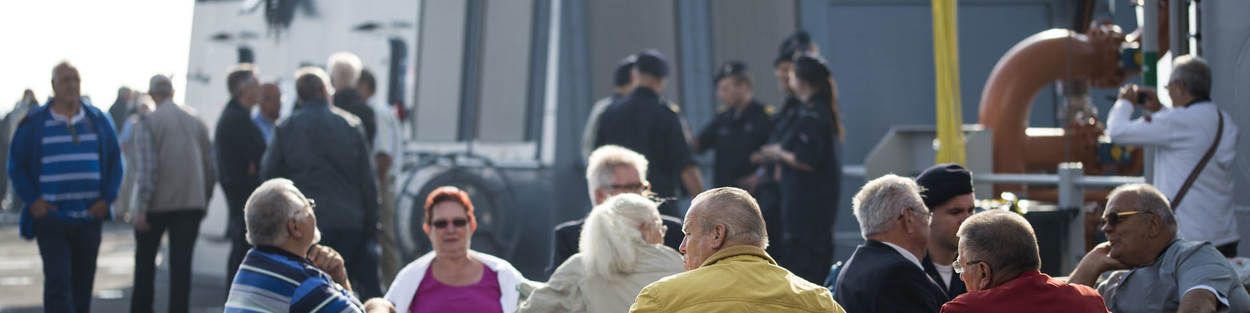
(611, 170)
(885, 273)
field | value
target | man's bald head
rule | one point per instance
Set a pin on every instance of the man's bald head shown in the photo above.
(734, 208)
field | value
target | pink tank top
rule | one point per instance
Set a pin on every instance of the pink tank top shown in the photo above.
(434, 296)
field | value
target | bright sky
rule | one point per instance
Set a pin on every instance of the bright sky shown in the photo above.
(113, 43)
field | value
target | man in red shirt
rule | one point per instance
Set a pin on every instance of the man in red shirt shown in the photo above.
(998, 261)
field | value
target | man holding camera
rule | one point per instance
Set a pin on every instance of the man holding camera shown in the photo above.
(1194, 148)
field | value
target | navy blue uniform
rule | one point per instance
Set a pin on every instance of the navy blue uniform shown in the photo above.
(809, 198)
(734, 136)
(642, 123)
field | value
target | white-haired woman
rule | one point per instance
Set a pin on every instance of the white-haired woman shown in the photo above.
(622, 251)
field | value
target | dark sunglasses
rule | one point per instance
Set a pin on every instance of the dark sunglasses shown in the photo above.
(459, 222)
(1115, 218)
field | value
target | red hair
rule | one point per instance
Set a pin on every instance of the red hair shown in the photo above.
(448, 193)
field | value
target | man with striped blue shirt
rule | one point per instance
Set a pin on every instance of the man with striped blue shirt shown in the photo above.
(286, 271)
(65, 165)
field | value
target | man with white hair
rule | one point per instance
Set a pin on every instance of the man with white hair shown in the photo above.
(885, 274)
(610, 170)
(345, 70)
(727, 269)
(1156, 271)
(286, 271)
(175, 178)
(1196, 144)
(321, 148)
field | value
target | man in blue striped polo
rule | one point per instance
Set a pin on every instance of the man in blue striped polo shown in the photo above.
(66, 166)
(286, 270)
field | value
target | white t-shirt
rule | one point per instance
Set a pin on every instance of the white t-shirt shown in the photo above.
(946, 271)
(388, 139)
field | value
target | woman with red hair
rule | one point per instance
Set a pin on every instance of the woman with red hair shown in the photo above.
(453, 278)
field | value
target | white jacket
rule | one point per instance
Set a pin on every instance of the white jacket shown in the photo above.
(409, 278)
(1180, 137)
(572, 289)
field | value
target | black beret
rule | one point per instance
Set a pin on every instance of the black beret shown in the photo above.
(730, 68)
(651, 62)
(943, 182)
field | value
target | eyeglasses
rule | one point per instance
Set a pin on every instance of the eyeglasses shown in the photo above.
(958, 265)
(459, 222)
(635, 187)
(1114, 218)
(926, 213)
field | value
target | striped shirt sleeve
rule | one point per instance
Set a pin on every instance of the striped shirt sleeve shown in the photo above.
(145, 146)
(318, 294)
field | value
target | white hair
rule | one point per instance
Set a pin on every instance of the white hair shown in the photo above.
(344, 69)
(883, 199)
(269, 208)
(736, 210)
(1194, 72)
(604, 160)
(610, 238)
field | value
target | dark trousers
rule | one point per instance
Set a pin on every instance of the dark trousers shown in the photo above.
(238, 250)
(183, 227)
(361, 257)
(69, 257)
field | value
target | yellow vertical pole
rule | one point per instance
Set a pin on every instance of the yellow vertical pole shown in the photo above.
(946, 67)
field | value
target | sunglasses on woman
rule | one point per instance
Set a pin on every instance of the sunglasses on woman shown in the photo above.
(459, 222)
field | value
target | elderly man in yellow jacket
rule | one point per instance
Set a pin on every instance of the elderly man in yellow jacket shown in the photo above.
(727, 269)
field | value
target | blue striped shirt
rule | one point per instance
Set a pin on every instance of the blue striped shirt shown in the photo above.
(274, 280)
(70, 172)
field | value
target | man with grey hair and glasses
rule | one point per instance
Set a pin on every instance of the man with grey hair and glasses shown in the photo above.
(286, 270)
(999, 261)
(1154, 270)
(1193, 137)
(611, 170)
(885, 274)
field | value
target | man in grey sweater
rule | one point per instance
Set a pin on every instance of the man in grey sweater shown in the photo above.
(175, 181)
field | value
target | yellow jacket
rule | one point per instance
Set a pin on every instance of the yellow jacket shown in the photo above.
(735, 279)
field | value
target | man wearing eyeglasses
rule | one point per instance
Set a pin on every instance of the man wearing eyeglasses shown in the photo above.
(1183, 136)
(999, 261)
(65, 165)
(884, 274)
(610, 170)
(286, 270)
(1154, 270)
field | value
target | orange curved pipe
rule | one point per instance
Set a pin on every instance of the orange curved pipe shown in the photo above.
(1031, 65)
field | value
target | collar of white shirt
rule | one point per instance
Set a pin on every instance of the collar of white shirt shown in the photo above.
(906, 254)
(69, 120)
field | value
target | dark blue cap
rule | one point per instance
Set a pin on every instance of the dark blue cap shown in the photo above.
(798, 42)
(621, 76)
(730, 68)
(651, 62)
